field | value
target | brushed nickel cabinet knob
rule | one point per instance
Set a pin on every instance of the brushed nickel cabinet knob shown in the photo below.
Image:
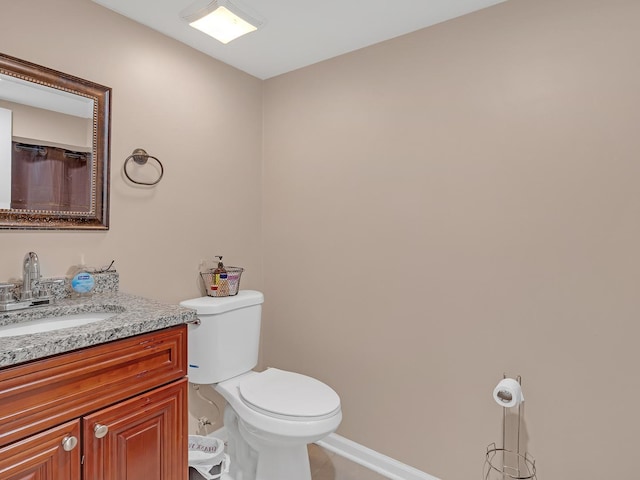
(100, 430)
(69, 443)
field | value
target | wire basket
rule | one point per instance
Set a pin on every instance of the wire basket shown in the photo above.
(501, 464)
(221, 284)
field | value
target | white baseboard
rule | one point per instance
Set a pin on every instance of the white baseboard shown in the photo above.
(385, 466)
(379, 463)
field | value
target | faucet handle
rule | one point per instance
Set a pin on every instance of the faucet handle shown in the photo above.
(43, 288)
(36, 289)
(6, 293)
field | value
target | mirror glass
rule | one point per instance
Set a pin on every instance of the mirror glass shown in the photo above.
(54, 149)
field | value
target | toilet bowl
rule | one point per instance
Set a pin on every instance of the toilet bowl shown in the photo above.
(277, 413)
(270, 416)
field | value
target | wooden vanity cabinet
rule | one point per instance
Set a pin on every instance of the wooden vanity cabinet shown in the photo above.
(117, 411)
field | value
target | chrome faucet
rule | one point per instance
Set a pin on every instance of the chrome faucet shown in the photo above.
(34, 291)
(30, 276)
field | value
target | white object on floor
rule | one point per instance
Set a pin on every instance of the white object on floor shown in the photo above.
(205, 453)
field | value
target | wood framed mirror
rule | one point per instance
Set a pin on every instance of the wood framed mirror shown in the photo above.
(54, 149)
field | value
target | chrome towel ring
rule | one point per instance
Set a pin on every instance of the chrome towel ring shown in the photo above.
(140, 157)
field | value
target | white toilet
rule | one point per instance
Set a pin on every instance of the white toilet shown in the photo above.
(270, 416)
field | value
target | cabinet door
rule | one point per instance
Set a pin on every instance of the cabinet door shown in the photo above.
(51, 455)
(141, 438)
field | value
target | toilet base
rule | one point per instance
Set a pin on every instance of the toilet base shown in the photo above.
(254, 459)
(284, 463)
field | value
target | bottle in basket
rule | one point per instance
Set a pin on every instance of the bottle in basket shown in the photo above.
(220, 281)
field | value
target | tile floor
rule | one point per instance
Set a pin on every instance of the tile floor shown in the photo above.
(326, 465)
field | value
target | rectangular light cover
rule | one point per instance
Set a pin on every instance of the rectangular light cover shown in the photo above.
(223, 25)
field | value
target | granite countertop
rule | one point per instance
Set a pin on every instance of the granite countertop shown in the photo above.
(134, 316)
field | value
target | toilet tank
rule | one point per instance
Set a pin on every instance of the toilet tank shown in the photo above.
(225, 343)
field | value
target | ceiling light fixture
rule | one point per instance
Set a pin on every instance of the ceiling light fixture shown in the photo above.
(220, 19)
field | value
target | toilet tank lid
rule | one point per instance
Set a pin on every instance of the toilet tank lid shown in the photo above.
(216, 305)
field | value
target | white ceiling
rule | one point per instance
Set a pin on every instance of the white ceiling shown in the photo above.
(297, 33)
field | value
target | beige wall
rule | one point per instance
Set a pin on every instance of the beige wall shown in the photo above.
(454, 204)
(50, 128)
(437, 209)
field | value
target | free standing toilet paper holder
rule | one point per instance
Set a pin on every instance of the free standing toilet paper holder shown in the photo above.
(503, 463)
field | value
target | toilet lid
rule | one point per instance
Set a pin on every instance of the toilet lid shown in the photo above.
(287, 394)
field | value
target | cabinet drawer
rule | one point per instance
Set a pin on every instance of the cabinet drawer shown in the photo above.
(40, 394)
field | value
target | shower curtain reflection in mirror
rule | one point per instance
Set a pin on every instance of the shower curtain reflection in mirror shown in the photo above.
(49, 178)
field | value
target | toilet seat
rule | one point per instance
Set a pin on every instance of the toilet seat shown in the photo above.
(288, 395)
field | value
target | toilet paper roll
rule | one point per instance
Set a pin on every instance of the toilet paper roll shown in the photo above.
(508, 393)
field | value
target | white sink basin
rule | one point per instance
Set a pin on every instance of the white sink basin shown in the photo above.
(48, 324)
